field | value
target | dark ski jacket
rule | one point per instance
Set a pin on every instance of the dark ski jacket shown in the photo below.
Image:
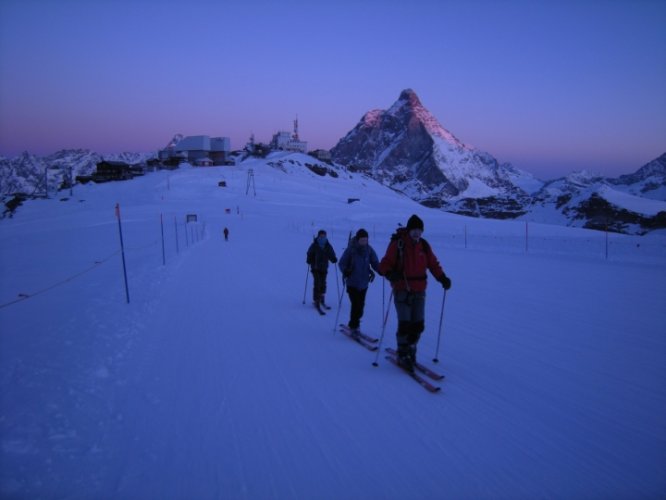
(409, 259)
(356, 262)
(318, 257)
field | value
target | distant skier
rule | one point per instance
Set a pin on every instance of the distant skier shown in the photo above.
(357, 262)
(318, 256)
(226, 234)
(404, 265)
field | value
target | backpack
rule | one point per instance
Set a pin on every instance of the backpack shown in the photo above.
(398, 236)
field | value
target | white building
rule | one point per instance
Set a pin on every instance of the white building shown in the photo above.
(286, 142)
(289, 142)
(196, 149)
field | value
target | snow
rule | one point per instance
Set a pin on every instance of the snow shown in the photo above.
(372, 117)
(524, 180)
(644, 189)
(636, 204)
(477, 189)
(215, 381)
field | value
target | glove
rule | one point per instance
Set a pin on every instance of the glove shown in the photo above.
(372, 276)
(347, 273)
(445, 281)
(334, 260)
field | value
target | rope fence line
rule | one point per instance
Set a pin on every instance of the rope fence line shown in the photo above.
(26, 296)
(515, 238)
(196, 236)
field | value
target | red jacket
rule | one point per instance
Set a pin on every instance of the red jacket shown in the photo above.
(416, 258)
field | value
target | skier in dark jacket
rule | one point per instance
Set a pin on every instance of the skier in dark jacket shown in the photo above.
(356, 264)
(319, 255)
(407, 258)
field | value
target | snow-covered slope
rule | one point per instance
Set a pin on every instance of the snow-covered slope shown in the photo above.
(649, 181)
(216, 381)
(593, 201)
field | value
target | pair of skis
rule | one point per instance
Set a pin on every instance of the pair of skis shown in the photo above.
(419, 369)
(370, 343)
(421, 372)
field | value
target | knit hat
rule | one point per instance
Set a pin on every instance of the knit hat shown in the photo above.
(415, 223)
(361, 233)
(321, 233)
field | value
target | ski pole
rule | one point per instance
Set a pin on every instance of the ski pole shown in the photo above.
(381, 339)
(383, 297)
(337, 279)
(307, 273)
(337, 315)
(439, 333)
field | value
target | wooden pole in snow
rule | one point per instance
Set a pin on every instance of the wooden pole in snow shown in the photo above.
(122, 251)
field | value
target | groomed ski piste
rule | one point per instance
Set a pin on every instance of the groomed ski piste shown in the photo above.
(216, 381)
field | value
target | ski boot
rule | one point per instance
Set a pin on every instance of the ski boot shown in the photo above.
(317, 304)
(412, 354)
(406, 358)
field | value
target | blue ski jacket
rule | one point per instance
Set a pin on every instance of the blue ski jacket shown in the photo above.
(356, 262)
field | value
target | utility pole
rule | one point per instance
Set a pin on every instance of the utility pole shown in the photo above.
(250, 181)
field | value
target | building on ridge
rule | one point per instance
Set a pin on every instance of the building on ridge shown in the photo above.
(200, 150)
(284, 141)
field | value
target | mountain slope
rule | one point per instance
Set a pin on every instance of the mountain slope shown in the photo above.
(596, 202)
(649, 181)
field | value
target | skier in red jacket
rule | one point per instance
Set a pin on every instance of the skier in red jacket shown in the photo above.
(407, 258)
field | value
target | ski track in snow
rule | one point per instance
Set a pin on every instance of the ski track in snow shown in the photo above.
(216, 382)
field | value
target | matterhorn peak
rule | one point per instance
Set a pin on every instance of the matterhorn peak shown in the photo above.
(409, 107)
(409, 96)
(408, 101)
(408, 149)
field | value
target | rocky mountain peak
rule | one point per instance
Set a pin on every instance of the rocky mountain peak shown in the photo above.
(409, 110)
(407, 148)
(409, 97)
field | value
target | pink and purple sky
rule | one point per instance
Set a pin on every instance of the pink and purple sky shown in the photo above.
(552, 86)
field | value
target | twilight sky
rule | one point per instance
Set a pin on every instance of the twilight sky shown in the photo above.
(551, 86)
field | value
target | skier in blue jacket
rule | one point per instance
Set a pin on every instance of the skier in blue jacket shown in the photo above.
(357, 264)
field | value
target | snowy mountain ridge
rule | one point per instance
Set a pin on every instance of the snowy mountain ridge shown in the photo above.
(408, 149)
(634, 203)
(26, 172)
